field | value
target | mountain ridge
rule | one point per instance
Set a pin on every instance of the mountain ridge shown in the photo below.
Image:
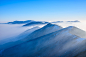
(57, 42)
(19, 22)
(44, 30)
(60, 42)
(35, 23)
(76, 31)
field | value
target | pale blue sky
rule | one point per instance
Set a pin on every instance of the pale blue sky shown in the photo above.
(42, 10)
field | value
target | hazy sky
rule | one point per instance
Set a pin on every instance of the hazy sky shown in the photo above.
(45, 10)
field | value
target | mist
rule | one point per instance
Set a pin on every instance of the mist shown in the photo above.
(80, 25)
(10, 31)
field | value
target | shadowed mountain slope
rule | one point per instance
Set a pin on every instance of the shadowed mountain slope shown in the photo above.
(59, 43)
(35, 23)
(81, 54)
(9, 43)
(19, 22)
(49, 28)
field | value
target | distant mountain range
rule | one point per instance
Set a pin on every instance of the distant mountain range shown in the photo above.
(27, 22)
(35, 32)
(31, 22)
(49, 41)
(19, 22)
(65, 21)
(35, 23)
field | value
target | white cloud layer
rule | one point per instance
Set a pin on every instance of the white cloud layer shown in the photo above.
(8, 31)
(81, 24)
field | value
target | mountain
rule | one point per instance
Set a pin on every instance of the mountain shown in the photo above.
(19, 22)
(59, 43)
(43, 43)
(12, 41)
(31, 34)
(78, 32)
(27, 32)
(35, 23)
(57, 22)
(74, 21)
(49, 28)
(81, 54)
(65, 21)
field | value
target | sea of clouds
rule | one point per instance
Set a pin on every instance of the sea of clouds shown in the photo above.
(80, 25)
(8, 31)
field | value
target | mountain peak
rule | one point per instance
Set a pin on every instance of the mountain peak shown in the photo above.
(49, 24)
(52, 25)
(49, 28)
(76, 31)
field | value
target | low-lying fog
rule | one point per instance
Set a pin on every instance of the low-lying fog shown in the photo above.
(8, 31)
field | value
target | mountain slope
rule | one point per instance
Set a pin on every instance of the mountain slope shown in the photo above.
(78, 32)
(49, 28)
(27, 32)
(19, 22)
(58, 43)
(9, 43)
(35, 23)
